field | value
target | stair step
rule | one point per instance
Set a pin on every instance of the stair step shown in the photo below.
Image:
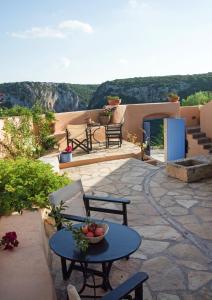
(204, 140)
(207, 145)
(195, 129)
(198, 135)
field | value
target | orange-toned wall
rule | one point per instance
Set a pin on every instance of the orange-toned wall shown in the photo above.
(194, 148)
(136, 113)
(191, 114)
(206, 119)
(133, 115)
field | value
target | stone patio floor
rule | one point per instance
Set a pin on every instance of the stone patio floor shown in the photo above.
(175, 220)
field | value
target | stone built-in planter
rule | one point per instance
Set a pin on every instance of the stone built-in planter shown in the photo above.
(189, 170)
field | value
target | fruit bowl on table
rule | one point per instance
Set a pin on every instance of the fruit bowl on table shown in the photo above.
(96, 235)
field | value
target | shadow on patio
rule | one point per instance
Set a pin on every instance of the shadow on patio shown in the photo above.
(174, 219)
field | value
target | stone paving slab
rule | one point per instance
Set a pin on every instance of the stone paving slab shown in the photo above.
(174, 219)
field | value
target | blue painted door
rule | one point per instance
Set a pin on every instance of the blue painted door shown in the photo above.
(175, 135)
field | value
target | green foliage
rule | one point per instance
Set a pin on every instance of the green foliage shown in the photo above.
(151, 89)
(198, 98)
(157, 138)
(25, 93)
(173, 95)
(26, 183)
(84, 91)
(18, 137)
(30, 134)
(113, 97)
(16, 110)
(79, 237)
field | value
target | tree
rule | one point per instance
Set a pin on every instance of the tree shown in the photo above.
(198, 98)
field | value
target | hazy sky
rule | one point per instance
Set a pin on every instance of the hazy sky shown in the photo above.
(91, 41)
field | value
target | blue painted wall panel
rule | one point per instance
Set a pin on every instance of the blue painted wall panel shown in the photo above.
(175, 138)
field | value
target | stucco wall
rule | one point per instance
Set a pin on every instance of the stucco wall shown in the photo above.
(24, 271)
(206, 119)
(136, 113)
(191, 114)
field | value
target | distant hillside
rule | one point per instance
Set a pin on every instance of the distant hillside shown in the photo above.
(151, 89)
(63, 97)
(60, 97)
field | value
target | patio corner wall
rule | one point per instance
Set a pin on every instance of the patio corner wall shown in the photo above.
(191, 114)
(206, 119)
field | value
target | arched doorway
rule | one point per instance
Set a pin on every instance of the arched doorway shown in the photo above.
(153, 135)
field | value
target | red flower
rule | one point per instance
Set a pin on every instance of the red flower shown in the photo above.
(9, 240)
(68, 149)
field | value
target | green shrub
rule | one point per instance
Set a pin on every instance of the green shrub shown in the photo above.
(16, 110)
(19, 137)
(198, 98)
(26, 183)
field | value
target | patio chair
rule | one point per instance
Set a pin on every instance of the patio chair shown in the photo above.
(79, 204)
(134, 283)
(79, 136)
(113, 133)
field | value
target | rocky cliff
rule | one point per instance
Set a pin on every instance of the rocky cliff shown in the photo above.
(63, 97)
(59, 97)
(151, 89)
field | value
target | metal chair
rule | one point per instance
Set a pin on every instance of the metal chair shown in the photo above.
(134, 283)
(113, 133)
(79, 205)
(79, 136)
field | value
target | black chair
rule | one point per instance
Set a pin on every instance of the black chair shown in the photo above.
(134, 283)
(79, 136)
(80, 205)
(113, 134)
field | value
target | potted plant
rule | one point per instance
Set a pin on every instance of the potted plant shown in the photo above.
(105, 116)
(66, 155)
(173, 97)
(113, 100)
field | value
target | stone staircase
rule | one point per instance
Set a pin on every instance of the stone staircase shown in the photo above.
(201, 138)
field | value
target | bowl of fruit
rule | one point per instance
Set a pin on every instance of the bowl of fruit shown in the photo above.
(95, 232)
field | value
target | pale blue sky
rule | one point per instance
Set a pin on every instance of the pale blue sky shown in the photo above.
(91, 41)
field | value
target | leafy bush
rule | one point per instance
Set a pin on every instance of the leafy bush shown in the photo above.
(19, 139)
(26, 183)
(16, 110)
(198, 98)
(30, 134)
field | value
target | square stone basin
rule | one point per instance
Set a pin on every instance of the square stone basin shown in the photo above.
(189, 170)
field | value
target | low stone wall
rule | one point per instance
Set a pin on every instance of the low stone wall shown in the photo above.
(25, 271)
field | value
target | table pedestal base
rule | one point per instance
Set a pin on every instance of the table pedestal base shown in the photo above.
(88, 272)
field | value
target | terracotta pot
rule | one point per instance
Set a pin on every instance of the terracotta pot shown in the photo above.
(173, 99)
(114, 101)
(104, 120)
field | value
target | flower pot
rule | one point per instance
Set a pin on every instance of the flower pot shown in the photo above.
(65, 157)
(175, 99)
(104, 120)
(113, 101)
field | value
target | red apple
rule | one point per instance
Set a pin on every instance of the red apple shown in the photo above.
(85, 229)
(90, 234)
(92, 227)
(99, 231)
